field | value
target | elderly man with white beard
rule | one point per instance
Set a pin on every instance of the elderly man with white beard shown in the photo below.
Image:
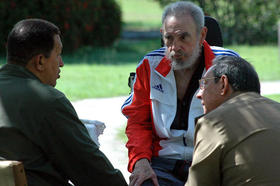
(162, 105)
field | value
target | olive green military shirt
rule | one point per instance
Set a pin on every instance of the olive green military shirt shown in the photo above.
(39, 126)
(238, 144)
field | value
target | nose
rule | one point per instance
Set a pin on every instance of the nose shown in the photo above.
(199, 94)
(61, 63)
(175, 45)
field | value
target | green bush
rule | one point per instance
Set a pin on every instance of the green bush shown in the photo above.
(82, 22)
(243, 21)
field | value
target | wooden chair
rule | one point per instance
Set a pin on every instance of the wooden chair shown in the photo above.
(12, 173)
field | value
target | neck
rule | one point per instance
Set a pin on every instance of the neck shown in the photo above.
(234, 93)
(31, 68)
(231, 95)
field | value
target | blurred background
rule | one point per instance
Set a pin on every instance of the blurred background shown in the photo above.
(105, 39)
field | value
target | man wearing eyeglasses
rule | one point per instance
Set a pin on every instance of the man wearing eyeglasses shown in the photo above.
(162, 106)
(237, 140)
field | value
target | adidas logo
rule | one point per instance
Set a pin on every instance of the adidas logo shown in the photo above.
(158, 87)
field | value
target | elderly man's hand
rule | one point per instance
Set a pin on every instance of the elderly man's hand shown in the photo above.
(142, 171)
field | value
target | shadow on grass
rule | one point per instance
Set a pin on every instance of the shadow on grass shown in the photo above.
(122, 52)
(142, 26)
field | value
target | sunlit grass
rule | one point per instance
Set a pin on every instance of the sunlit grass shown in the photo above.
(141, 14)
(105, 73)
(265, 59)
(92, 73)
(80, 81)
(275, 97)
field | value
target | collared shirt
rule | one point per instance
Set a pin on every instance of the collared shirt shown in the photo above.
(183, 106)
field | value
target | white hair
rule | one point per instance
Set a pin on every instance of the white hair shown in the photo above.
(181, 8)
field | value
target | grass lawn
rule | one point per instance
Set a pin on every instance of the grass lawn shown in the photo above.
(265, 59)
(140, 14)
(91, 73)
(104, 72)
(80, 81)
(275, 97)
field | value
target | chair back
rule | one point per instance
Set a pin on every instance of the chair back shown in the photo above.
(214, 34)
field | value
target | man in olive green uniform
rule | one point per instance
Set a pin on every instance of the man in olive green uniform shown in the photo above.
(237, 140)
(38, 124)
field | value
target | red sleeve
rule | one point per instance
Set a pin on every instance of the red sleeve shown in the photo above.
(138, 112)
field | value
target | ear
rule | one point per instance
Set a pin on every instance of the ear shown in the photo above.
(203, 34)
(224, 85)
(39, 62)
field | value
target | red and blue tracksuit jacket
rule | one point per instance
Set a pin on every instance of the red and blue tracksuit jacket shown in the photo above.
(151, 109)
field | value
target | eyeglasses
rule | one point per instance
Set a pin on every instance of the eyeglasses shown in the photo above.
(203, 81)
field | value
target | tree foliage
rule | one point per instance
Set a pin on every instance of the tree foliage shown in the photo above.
(82, 22)
(243, 21)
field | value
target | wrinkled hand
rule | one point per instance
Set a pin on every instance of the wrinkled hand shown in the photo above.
(142, 171)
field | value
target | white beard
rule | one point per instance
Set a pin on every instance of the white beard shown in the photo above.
(179, 65)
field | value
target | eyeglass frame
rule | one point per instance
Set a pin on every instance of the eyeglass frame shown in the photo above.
(202, 82)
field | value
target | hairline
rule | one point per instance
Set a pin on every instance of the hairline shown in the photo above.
(187, 9)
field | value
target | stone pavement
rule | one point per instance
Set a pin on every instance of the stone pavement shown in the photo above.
(108, 111)
(270, 87)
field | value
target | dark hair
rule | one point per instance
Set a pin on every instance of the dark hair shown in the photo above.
(29, 38)
(240, 73)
